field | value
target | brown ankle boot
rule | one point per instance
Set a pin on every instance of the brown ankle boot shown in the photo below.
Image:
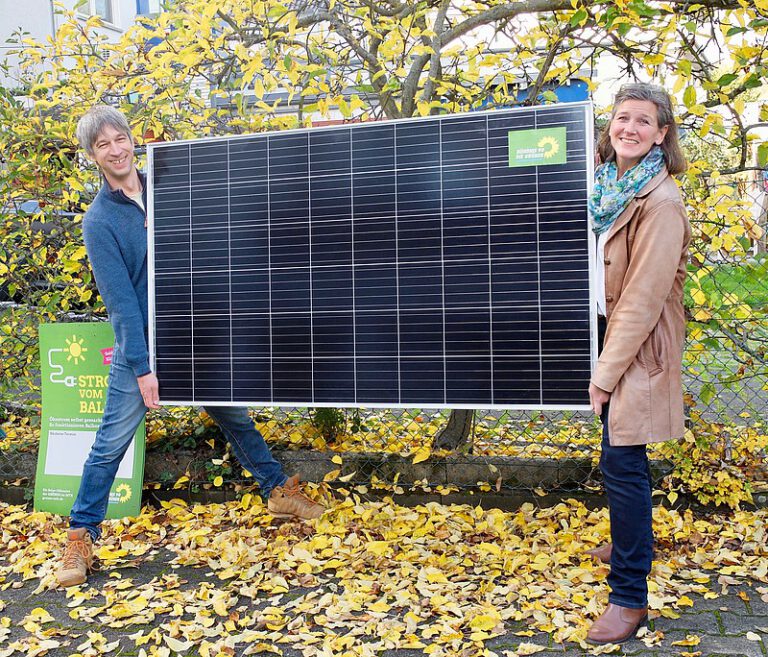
(287, 501)
(617, 624)
(77, 559)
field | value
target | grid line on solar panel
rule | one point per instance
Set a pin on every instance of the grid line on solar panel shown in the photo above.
(560, 256)
(412, 171)
(553, 357)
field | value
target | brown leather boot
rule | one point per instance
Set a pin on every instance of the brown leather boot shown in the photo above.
(617, 624)
(77, 560)
(602, 552)
(287, 501)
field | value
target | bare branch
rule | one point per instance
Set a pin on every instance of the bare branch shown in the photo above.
(434, 63)
(547, 64)
(513, 9)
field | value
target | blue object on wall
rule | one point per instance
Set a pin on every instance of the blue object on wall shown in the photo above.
(573, 91)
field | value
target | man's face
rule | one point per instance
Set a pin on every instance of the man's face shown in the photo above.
(113, 153)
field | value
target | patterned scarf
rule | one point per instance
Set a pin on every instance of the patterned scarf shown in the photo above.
(611, 196)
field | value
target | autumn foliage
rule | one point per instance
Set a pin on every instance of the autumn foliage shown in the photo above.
(212, 67)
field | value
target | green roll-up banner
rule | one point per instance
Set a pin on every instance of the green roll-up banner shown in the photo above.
(75, 360)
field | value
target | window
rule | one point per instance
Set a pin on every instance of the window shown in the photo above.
(101, 8)
(149, 7)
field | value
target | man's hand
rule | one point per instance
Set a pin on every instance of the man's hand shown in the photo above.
(597, 398)
(150, 390)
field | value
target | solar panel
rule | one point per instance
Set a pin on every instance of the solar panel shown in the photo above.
(434, 262)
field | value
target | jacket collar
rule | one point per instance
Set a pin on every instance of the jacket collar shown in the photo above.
(652, 184)
(629, 211)
(118, 196)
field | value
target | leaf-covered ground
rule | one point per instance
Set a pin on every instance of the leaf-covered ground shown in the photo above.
(365, 579)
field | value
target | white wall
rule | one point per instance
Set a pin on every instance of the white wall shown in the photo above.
(37, 18)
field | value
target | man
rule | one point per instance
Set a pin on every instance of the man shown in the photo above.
(114, 229)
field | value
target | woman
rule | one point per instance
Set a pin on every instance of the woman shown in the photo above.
(642, 235)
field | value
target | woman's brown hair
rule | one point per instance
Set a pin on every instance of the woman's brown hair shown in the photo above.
(673, 153)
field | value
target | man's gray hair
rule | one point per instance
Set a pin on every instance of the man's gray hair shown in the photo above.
(95, 120)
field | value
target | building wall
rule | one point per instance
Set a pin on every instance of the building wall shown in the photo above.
(37, 18)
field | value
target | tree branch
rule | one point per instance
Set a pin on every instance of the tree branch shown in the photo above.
(434, 63)
(513, 9)
(547, 64)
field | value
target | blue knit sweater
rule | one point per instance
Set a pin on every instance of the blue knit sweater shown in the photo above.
(116, 242)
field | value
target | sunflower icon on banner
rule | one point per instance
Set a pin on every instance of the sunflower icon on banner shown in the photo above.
(550, 145)
(124, 491)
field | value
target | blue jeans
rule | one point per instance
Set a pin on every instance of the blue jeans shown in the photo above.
(123, 413)
(627, 479)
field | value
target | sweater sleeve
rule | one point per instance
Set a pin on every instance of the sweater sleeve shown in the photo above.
(647, 283)
(117, 291)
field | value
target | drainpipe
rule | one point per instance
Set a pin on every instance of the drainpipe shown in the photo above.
(53, 19)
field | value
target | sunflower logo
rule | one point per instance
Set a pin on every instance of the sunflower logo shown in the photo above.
(550, 145)
(75, 350)
(124, 490)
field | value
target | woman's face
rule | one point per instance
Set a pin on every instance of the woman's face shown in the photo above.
(634, 130)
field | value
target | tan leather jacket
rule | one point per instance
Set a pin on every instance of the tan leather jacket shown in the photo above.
(645, 254)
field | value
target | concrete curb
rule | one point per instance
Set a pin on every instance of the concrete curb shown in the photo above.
(517, 478)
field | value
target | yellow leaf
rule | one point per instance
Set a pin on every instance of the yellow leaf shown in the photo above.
(689, 641)
(379, 548)
(698, 296)
(218, 481)
(106, 553)
(181, 481)
(220, 604)
(483, 622)
(529, 648)
(176, 645)
(39, 615)
(330, 476)
(380, 606)
(435, 576)
(421, 454)
(76, 184)
(279, 585)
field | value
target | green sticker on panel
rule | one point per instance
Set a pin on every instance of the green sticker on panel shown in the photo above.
(540, 147)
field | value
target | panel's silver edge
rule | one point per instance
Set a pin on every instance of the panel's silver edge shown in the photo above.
(414, 405)
(361, 124)
(591, 241)
(151, 254)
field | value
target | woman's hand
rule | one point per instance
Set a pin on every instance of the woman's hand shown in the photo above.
(597, 398)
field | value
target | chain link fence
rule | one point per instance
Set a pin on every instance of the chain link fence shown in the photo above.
(726, 387)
